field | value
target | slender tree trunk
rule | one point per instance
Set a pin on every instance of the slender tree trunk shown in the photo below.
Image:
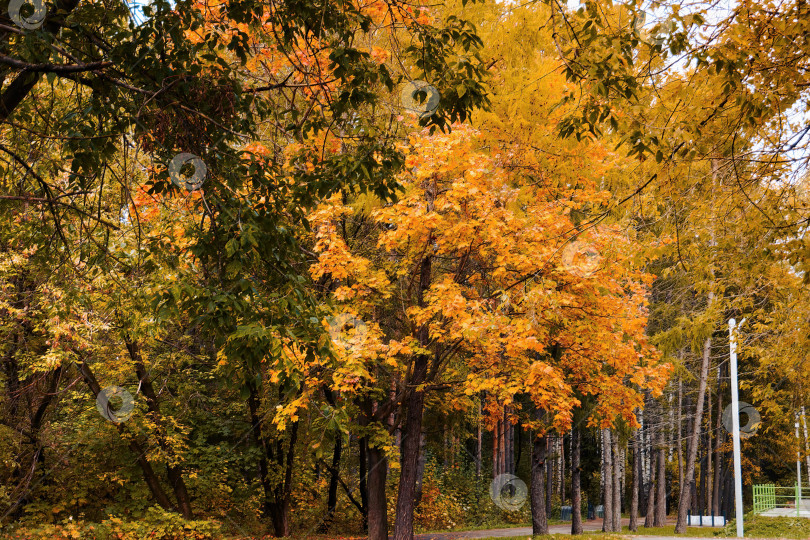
(607, 474)
(363, 458)
(538, 486)
(478, 441)
(661, 497)
(562, 470)
(576, 488)
(806, 444)
(152, 481)
(718, 455)
(509, 439)
(649, 515)
(495, 443)
(173, 472)
(680, 433)
(445, 446)
(281, 504)
(255, 422)
(701, 492)
(636, 485)
(691, 455)
(331, 498)
(709, 454)
(549, 471)
(617, 486)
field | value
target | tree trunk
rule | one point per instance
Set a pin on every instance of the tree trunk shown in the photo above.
(538, 486)
(701, 491)
(806, 444)
(635, 488)
(661, 484)
(680, 434)
(718, 455)
(415, 403)
(497, 446)
(607, 474)
(363, 458)
(403, 525)
(420, 470)
(562, 470)
(445, 447)
(377, 505)
(576, 489)
(174, 472)
(617, 485)
(149, 475)
(478, 441)
(709, 454)
(691, 454)
(331, 499)
(549, 471)
(508, 455)
(281, 504)
(649, 515)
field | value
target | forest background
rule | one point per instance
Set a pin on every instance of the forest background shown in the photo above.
(338, 266)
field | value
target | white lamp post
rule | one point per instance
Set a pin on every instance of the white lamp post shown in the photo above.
(735, 421)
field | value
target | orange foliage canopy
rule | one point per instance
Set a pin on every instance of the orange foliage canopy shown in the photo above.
(507, 288)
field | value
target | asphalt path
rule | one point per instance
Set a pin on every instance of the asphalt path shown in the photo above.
(587, 526)
(593, 525)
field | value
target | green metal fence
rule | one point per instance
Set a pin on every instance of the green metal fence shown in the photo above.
(782, 500)
(764, 497)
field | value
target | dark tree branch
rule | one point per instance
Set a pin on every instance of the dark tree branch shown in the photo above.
(52, 68)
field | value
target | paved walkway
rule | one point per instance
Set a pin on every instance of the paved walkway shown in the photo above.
(587, 526)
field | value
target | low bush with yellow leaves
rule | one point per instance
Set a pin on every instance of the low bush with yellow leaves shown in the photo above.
(157, 524)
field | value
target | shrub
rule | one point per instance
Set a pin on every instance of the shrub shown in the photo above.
(157, 524)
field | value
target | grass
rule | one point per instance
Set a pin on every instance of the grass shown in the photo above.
(669, 530)
(755, 527)
(771, 527)
(481, 527)
(487, 526)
